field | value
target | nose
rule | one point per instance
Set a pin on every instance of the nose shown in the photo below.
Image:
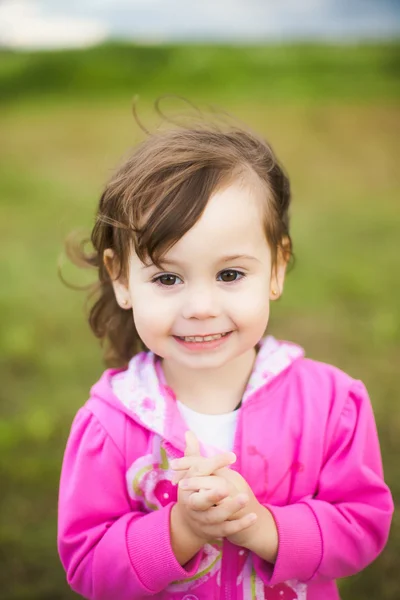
(200, 303)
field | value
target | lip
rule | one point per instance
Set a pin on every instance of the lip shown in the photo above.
(211, 345)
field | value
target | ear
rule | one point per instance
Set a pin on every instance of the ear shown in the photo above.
(278, 271)
(120, 285)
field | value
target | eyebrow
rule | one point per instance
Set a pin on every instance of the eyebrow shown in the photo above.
(223, 259)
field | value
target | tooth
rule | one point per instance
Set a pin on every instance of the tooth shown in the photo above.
(207, 338)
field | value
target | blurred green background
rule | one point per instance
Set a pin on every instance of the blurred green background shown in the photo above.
(332, 115)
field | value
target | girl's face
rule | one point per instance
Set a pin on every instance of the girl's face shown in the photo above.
(210, 302)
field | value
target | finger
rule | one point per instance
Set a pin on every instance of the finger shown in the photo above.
(192, 444)
(192, 449)
(206, 482)
(186, 474)
(231, 527)
(177, 476)
(222, 512)
(205, 499)
(201, 465)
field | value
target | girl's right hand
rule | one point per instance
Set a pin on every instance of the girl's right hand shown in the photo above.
(215, 521)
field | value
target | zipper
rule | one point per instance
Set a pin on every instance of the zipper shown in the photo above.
(230, 552)
(229, 571)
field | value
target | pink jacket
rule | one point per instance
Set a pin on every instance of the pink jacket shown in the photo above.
(306, 443)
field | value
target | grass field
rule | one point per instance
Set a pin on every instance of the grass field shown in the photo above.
(332, 115)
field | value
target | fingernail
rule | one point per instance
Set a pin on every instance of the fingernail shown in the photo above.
(232, 457)
(252, 517)
(184, 483)
(243, 500)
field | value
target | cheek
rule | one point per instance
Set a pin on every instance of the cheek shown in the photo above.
(253, 303)
(253, 315)
(151, 315)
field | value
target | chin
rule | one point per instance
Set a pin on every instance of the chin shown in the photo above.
(208, 360)
(205, 364)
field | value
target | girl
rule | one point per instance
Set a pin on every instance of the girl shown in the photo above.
(280, 478)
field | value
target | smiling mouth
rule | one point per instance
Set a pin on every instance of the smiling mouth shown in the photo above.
(205, 338)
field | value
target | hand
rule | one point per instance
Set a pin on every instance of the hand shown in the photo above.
(224, 488)
(207, 507)
(225, 483)
(262, 536)
(196, 466)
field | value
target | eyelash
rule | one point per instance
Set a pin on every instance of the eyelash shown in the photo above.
(157, 279)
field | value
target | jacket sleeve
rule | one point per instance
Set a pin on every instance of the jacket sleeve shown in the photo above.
(107, 549)
(345, 525)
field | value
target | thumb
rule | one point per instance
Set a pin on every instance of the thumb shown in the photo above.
(192, 448)
(192, 444)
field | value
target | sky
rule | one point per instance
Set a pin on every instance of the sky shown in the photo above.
(31, 24)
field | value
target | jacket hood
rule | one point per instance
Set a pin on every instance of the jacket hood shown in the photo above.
(141, 391)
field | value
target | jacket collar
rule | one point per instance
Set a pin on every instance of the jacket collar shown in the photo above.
(142, 391)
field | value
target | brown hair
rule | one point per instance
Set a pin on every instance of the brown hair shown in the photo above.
(157, 195)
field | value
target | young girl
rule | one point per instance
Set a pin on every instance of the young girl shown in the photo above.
(280, 479)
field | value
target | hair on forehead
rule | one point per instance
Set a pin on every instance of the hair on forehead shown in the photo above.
(160, 191)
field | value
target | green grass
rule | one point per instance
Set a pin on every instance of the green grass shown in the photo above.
(332, 115)
(268, 73)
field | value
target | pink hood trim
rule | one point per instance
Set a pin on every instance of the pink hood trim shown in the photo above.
(140, 392)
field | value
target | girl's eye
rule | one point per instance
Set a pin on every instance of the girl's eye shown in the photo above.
(230, 275)
(167, 280)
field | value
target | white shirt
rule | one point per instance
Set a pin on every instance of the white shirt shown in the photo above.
(215, 431)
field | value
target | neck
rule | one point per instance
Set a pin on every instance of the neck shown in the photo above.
(211, 391)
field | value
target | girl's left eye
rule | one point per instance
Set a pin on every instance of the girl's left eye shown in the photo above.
(230, 275)
(167, 280)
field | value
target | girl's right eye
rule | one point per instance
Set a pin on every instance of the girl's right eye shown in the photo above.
(167, 280)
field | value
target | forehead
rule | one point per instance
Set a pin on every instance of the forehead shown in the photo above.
(232, 223)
